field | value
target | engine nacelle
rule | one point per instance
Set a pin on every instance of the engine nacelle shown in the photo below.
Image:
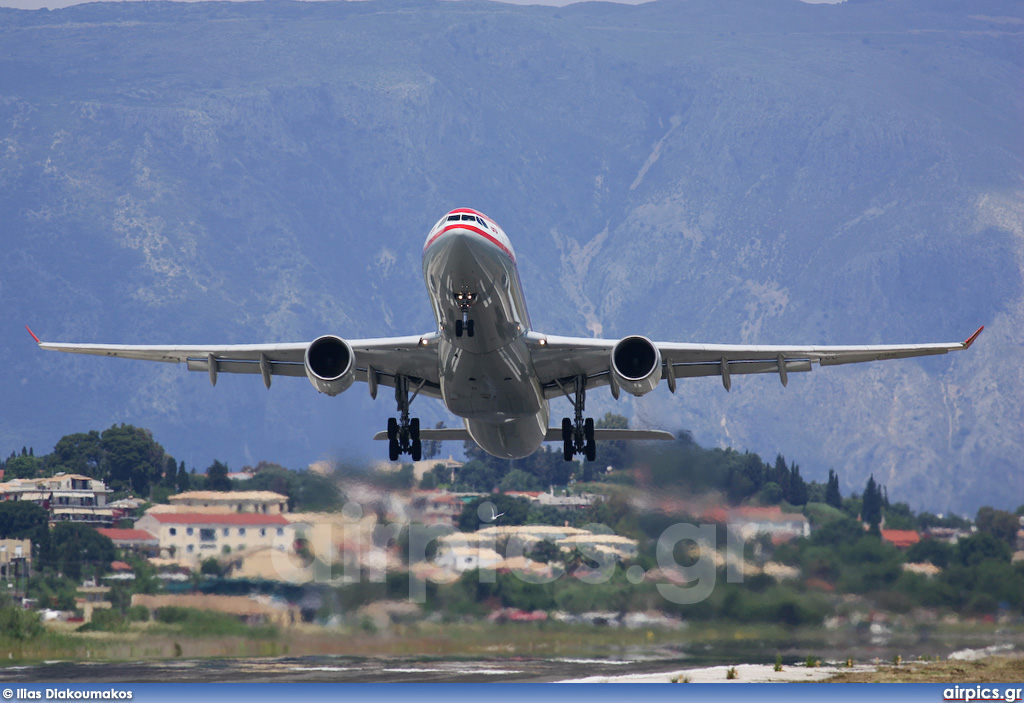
(330, 364)
(636, 365)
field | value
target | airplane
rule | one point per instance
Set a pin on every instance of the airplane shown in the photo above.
(487, 363)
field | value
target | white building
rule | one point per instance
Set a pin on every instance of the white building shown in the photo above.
(264, 502)
(65, 496)
(189, 538)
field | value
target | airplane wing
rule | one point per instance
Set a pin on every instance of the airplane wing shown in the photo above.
(558, 361)
(377, 361)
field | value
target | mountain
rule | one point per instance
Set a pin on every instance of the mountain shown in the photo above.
(725, 171)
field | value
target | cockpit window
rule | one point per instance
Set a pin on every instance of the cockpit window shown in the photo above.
(482, 223)
(468, 218)
(453, 218)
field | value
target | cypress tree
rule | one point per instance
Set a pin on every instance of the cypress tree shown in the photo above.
(871, 506)
(832, 495)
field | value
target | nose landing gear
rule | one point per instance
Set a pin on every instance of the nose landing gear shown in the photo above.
(465, 300)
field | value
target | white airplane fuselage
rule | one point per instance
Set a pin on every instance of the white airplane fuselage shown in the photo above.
(485, 368)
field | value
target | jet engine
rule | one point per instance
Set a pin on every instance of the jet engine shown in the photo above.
(636, 365)
(330, 364)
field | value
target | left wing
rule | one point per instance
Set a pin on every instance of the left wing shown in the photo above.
(559, 361)
(377, 361)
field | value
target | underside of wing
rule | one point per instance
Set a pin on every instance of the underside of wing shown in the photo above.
(560, 361)
(377, 362)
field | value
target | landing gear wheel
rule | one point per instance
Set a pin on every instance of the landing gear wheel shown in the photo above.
(416, 450)
(469, 328)
(392, 428)
(414, 430)
(458, 328)
(567, 448)
(394, 449)
(588, 433)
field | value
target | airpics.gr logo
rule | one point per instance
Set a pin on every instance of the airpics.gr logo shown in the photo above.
(980, 693)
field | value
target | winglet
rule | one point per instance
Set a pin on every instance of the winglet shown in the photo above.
(33, 334)
(970, 340)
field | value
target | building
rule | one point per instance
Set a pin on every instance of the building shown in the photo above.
(263, 502)
(466, 558)
(438, 507)
(15, 559)
(137, 542)
(902, 539)
(189, 538)
(90, 598)
(750, 521)
(65, 496)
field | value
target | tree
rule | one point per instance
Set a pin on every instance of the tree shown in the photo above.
(212, 567)
(516, 509)
(971, 551)
(306, 490)
(23, 466)
(519, 480)
(871, 508)
(181, 481)
(78, 548)
(782, 474)
(24, 520)
(439, 475)
(840, 532)
(78, 453)
(797, 488)
(132, 460)
(170, 476)
(217, 477)
(998, 523)
(432, 447)
(476, 476)
(931, 550)
(832, 495)
(614, 454)
(771, 494)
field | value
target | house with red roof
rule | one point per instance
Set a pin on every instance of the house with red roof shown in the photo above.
(903, 539)
(749, 521)
(136, 541)
(189, 538)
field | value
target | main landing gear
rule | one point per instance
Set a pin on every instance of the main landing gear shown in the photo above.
(404, 432)
(464, 300)
(578, 433)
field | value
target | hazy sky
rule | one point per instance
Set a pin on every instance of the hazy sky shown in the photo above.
(54, 4)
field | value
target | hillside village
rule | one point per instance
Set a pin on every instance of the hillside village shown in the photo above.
(591, 551)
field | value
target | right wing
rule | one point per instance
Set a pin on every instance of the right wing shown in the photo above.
(558, 361)
(377, 361)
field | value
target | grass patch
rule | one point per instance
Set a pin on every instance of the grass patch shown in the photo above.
(206, 623)
(995, 669)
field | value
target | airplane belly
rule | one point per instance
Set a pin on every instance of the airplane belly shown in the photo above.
(493, 387)
(510, 440)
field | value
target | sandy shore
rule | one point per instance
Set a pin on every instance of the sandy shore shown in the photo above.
(745, 673)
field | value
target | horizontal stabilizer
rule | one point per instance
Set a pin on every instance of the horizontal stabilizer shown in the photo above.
(554, 434)
(607, 435)
(454, 434)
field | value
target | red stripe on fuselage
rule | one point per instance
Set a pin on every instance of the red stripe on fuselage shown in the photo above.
(475, 230)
